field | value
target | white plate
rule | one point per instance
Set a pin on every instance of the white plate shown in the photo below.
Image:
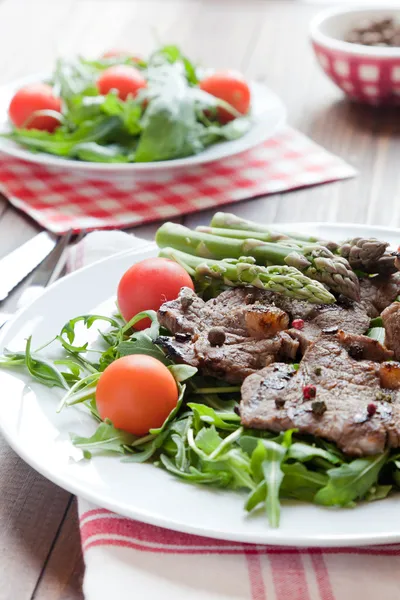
(268, 114)
(40, 436)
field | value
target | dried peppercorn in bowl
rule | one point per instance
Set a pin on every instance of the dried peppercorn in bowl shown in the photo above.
(359, 49)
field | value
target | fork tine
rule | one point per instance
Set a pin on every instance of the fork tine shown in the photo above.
(63, 257)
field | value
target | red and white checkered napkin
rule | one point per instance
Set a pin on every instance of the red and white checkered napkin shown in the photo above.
(60, 200)
(128, 559)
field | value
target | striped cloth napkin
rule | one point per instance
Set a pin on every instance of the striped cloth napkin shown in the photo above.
(129, 559)
(61, 200)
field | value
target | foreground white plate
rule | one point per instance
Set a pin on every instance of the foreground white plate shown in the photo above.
(268, 116)
(40, 436)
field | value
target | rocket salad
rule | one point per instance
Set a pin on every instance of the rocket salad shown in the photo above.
(121, 109)
(146, 407)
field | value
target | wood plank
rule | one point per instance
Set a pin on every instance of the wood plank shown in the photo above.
(63, 573)
(31, 509)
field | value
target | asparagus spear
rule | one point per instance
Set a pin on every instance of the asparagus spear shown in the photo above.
(288, 281)
(316, 262)
(243, 234)
(226, 221)
(369, 255)
(364, 254)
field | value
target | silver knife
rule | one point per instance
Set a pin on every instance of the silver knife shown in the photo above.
(18, 264)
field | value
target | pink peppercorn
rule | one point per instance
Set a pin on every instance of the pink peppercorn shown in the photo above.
(309, 392)
(371, 409)
(298, 324)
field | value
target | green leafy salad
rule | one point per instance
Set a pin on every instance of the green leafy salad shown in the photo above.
(121, 109)
(200, 439)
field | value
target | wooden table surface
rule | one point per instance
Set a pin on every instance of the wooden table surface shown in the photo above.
(267, 40)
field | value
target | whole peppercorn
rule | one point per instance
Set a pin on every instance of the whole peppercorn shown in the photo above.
(318, 407)
(216, 336)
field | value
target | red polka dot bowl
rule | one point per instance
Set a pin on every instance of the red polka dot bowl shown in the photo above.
(369, 74)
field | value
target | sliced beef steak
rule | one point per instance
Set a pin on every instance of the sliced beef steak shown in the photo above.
(226, 337)
(391, 323)
(253, 324)
(378, 292)
(332, 395)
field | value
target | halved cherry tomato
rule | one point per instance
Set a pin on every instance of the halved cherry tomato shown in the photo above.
(136, 393)
(148, 284)
(231, 87)
(115, 53)
(32, 98)
(126, 80)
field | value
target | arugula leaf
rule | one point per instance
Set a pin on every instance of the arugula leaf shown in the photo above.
(74, 78)
(273, 474)
(94, 152)
(170, 130)
(300, 482)
(147, 450)
(194, 475)
(68, 331)
(206, 414)
(62, 142)
(378, 492)
(305, 452)
(182, 372)
(351, 481)
(173, 54)
(142, 345)
(105, 438)
(40, 369)
(181, 459)
(266, 462)
(208, 439)
(173, 413)
(257, 496)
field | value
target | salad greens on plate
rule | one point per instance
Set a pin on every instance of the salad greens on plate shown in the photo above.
(202, 441)
(120, 109)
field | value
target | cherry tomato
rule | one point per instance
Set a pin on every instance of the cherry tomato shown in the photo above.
(115, 53)
(125, 79)
(31, 98)
(136, 393)
(148, 284)
(231, 87)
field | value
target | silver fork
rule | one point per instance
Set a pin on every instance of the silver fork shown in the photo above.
(47, 272)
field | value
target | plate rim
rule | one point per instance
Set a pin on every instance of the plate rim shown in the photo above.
(270, 536)
(54, 162)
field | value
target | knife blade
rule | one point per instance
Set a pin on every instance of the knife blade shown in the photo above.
(18, 264)
(50, 269)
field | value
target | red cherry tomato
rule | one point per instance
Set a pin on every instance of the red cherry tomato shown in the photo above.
(114, 53)
(136, 393)
(148, 284)
(231, 87)
(32, 98)
(126, 80)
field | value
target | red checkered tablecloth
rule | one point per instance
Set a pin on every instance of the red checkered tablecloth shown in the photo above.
(60, 200)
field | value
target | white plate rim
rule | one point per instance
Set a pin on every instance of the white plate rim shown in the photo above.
(272, 537)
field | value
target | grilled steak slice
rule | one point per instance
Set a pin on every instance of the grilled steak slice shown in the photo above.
(332, 395)
(185, 314)
(378, 292)
(252, 323)
(391, 323)
(227, 337)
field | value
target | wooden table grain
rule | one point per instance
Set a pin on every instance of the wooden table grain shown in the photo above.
(40, 554)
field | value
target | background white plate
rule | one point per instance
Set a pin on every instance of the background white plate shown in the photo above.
(40, 436)
(268, 114)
